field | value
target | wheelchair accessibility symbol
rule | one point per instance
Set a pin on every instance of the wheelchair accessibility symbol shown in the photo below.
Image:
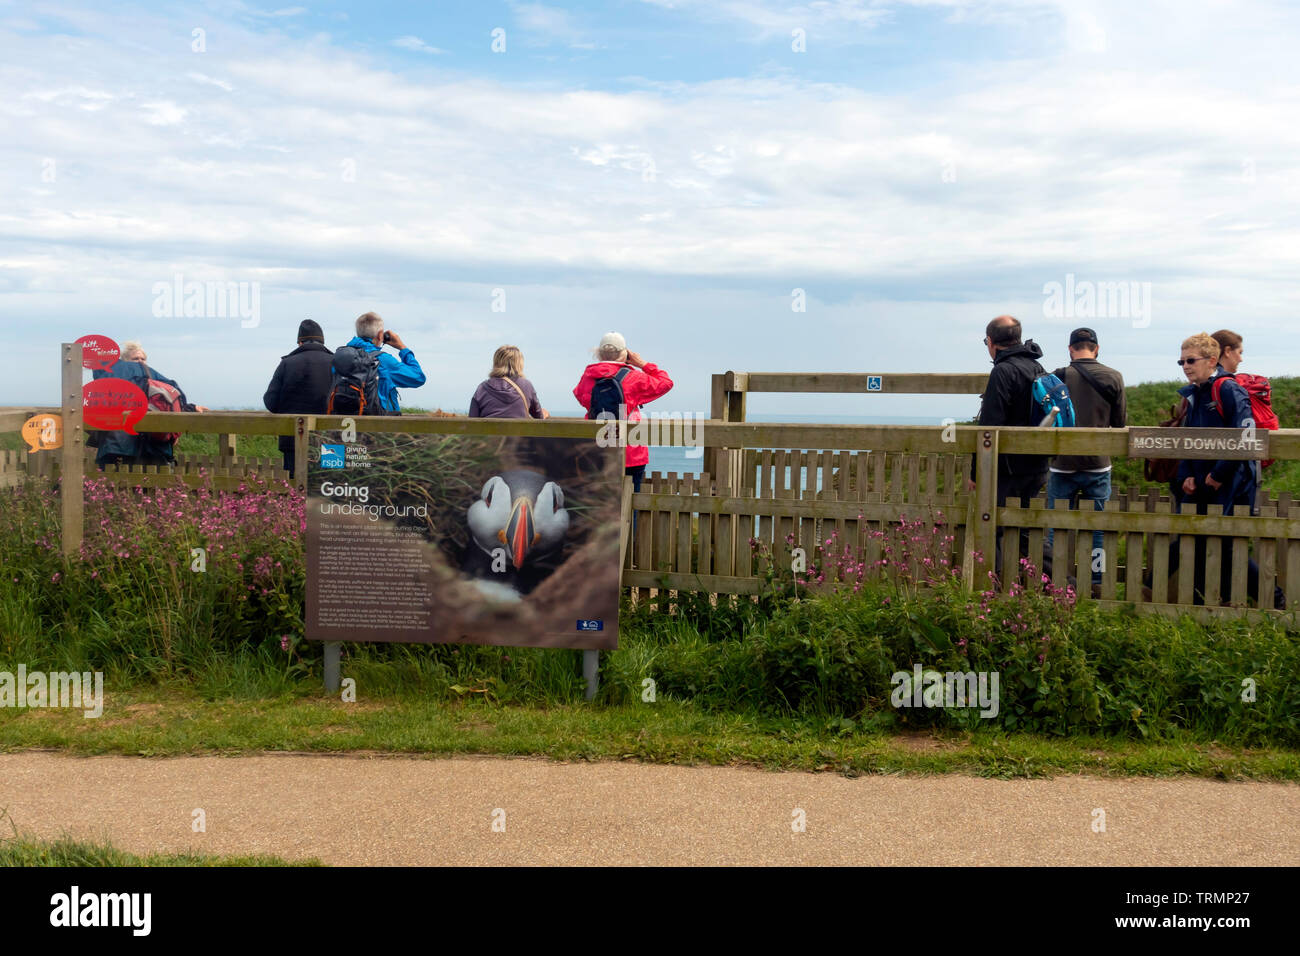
(875, 383)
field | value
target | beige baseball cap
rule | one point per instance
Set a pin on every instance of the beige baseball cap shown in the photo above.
(612, 347)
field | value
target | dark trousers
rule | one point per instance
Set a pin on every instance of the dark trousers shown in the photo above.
(287, 450)
(1022, 487)
(637, 474)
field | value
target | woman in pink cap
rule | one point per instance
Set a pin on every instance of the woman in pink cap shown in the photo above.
(616, 385)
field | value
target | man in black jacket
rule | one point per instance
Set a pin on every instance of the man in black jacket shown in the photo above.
(301, 384)
(1008, 400)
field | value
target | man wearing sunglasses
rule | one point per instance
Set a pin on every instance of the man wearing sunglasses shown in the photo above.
(1007, 400)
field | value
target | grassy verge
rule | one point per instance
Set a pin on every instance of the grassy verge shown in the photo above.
(24, 851)
(158, 723)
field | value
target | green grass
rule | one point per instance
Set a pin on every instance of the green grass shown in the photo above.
(822, 667)
(24, 851)
(160, 723)
(247, 446)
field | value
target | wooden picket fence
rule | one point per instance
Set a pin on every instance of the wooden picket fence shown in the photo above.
(224, 473)
(694, 533)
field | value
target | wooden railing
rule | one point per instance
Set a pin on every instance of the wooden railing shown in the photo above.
(729, 390)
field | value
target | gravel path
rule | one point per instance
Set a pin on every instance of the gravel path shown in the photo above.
(410, 811)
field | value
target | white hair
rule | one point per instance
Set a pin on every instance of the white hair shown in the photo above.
(368, 326)
(132, 348)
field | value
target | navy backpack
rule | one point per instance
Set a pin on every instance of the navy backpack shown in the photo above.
(607, 395)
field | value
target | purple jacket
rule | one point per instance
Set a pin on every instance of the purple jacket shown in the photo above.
(495, 398)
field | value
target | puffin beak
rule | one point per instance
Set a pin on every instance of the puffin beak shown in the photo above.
(520, 532)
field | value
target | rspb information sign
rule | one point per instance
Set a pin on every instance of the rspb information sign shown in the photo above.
(463, 539)
(1210, 444)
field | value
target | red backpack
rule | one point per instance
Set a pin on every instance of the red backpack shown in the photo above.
(163, 398)
(1260, 393)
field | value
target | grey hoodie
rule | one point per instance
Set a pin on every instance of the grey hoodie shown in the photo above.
(497, 398)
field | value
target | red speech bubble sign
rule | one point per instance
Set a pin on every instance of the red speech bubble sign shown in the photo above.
(113, 404)
(98, 352)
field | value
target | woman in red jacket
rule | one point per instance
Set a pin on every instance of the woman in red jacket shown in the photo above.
(644, 382)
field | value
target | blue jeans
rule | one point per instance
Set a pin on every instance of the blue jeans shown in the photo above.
(1074, 485)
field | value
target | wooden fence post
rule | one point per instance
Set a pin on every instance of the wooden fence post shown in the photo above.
(226, 448)
(733, 410)
(625, 526)
(982, 514)
(301, 446)
(717, 404)
(735, 388)
(73, 466)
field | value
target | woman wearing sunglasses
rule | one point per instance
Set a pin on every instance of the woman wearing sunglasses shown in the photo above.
(1231, 483)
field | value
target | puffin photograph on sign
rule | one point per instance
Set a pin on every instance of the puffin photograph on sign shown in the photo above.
(464, 539)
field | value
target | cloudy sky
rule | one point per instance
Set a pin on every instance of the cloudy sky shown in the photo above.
(671, 169)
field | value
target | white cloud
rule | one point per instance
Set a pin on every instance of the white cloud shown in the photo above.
(545, 24)
(416, 44)
(283, 12)
(1122, 164)
(163, 113)
(770, 18)
(78, 96)
(212, 81)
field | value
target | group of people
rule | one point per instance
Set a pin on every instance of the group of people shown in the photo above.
(303, 383)
(305, 378)
(123, 448)
(1097, 394)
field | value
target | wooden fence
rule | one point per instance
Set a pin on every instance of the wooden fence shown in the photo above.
(693, 536)
(729, 390)
(778, 487)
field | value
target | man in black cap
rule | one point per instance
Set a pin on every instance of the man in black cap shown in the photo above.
(301, 384)
(1097, 392)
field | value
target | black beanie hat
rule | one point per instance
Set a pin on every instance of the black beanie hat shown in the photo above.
(310, 331)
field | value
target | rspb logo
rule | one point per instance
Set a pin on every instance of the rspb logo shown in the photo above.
(591, 625)
(333, 456)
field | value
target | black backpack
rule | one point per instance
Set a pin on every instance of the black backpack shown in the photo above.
(354, 388)
(607, 395)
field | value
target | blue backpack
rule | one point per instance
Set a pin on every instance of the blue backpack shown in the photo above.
(607, 395)
(1050, 392)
